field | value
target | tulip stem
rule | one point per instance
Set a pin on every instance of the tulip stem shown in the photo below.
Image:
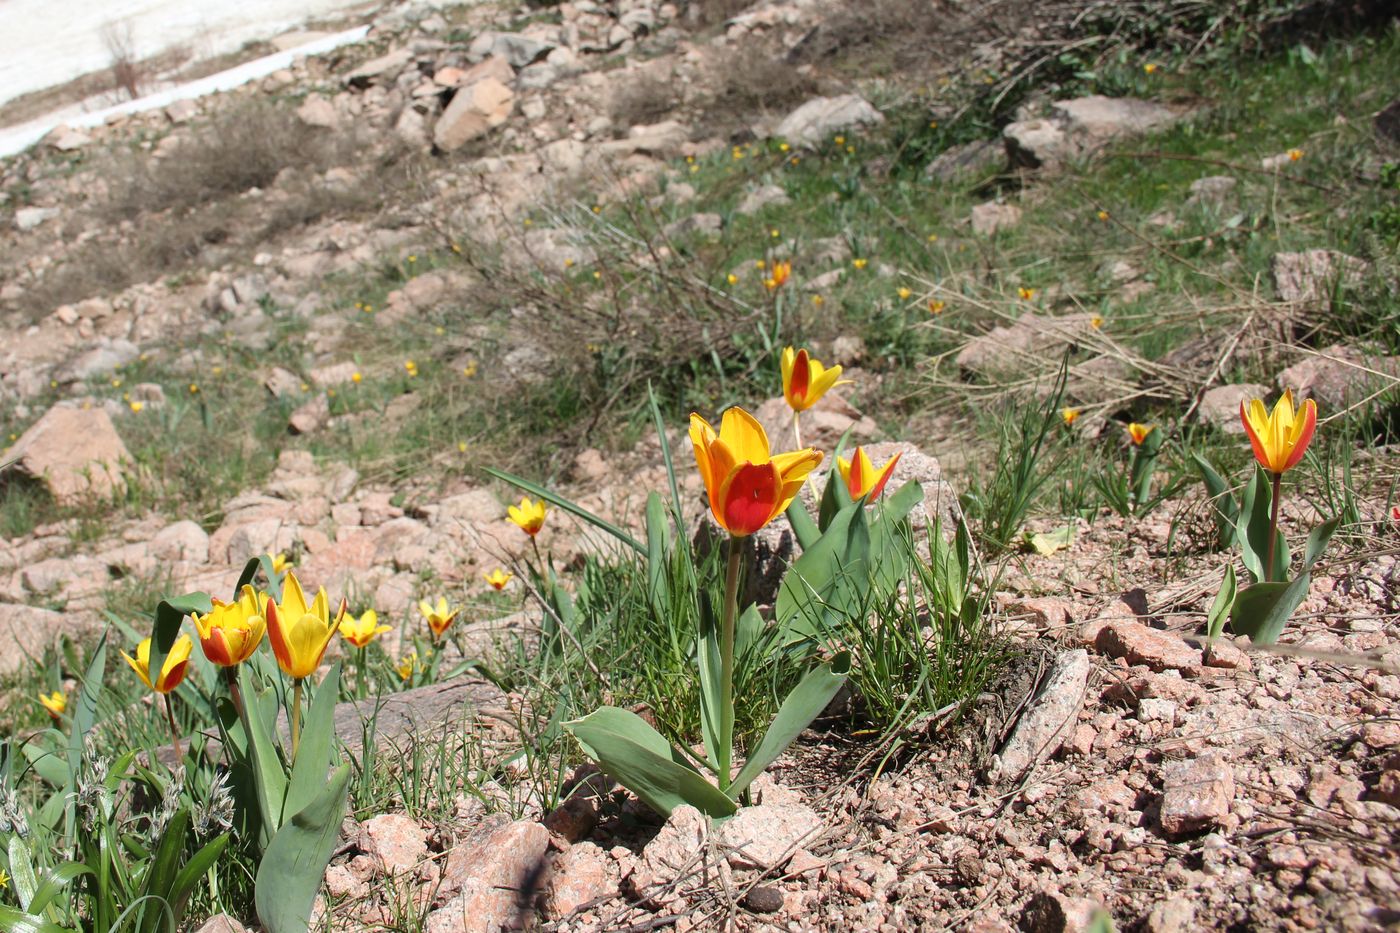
(361, 685)
(797, 428)
(726, 661)
(1273, 525)
(296, 717)
(174, 732)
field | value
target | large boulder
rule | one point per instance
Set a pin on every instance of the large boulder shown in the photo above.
(1311, 277)
(814, 122)
(25, 631)
(1080, 127)
(75, 452)
(474, 111)
(1339, 376)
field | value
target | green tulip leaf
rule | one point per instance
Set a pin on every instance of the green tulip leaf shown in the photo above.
(1047, 543)
(83, 716)
(317, 740)
(1222, 500)
(17, 921)
(270, 780)
(1252, 531)
(1220, 608)
(803, 704)
(1261, 611)
(22, 873)
(643, 761)
(250, 570)
(1318, 540)
(294, 863)
(803, 528)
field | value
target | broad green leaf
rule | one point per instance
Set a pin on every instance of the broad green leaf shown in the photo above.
(1252, 531)
(828, 579)
(708, 668)
(317, 741)
(804, 704)
(1318, 539)
(17, 921)
(1222, 500)
(270, 779)
(1261, 611)
(274, 582)
(22, 873)
(803, 528)
(196, 867)
(55, 880)
(162, 868)
(166, 628)
(295, 861)
(535, 489)
(1220, 608)
(643, 761)
(1047, 543)
(835, 497)
(250, 570)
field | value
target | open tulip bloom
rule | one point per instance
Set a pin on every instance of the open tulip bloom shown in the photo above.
(439, 617)
(1279, 438)
(805, 381)
(861, 477)
(54, 702)
(231, 632)
(172, 671)
(299, 634)
(528, 516)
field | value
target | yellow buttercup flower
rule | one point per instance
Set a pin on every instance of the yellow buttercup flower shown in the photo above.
(498, 578)
(1096, 322)
(300, 632)
(230, 632)
(1138, 432)
(528, 516)
(54, 702)
(1150, 67)
(861, 477)
(805, 380)
(439, 617)
(732, 279)
(748, 486)
(1281, 437)
(360, 632)
(171, 672)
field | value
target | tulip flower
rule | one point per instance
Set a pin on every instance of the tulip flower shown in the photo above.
(498, 578)
(281, 563)
(1137, 433)
(171, 672)
(300, 633)
(748, 486)
(782, 271)
(231, 632)
(528, 516)
(439, 617)
(360, 632)
(54, 702)
(406, 665)
(1070, 415)
(862, 479)
(805, 381)
(1281, 437)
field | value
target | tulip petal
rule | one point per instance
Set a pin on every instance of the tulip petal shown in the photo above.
(750, 496)
(293, 604)
(743, 437)
(884, 477)
(1250, 416)
(1302, 434)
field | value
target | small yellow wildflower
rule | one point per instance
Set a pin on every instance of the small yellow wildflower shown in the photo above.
(840, 140)
(470, 369)
(137, 406)
(116, 383)
(356, 378)
(773, 233)
(281, 563)
(732, 279)
(1103, 215)
(760, 264)
(1150, 68)
(1026, 294)
(783, 147)
(818, 301)
(933, 238)
(860, 263)
(850, 150)
(194, 388)
(935, 306)
(1096, 321)
(412, 258)
(904, 293)
(597, 208)
(406, 665)
(217, 370)
(694, 169)
(1294, 155)
(568, 263)
(461, 447)
(1069, 415)
(457, 247)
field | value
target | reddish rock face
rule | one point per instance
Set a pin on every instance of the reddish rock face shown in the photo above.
(1197, 795)
(75, 452)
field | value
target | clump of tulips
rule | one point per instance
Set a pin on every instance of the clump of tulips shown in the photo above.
(1279, 439)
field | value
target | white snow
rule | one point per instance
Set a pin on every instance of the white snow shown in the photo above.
(44, 43)
(15, 139)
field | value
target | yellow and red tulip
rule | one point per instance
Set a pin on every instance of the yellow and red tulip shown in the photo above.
(1137, 433)
(862, 479)
(171, 672)
(300, 633)
(498, 578)
(805, 380)
(360, 632)
(439, 617)
(230, 632)
(747, 484)
(1281, 437)
(54, 702)
(528, 516)
(781, 272)
(1070, 415)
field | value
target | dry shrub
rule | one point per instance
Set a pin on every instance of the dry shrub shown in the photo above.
(243, 147)
(127, 72)
(706, 13)
(641, 101)
(756, 78)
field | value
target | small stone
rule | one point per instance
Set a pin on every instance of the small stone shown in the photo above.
(1048, 720)
(222, 923)
(581, 874)
(398, 841)
(766, 836)
(1154, 709)
(1176, 915)
(677, 846)
(1139, 644)
(764, 899)
(1054, 912)
(1220, 405)
(311, 416)
(813, 123)
(990, 217)
(1197, 795)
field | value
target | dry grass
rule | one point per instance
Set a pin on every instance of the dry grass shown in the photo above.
(755, 78)
(640, 102)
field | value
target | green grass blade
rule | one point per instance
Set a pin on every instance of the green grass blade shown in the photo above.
(578, 511)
